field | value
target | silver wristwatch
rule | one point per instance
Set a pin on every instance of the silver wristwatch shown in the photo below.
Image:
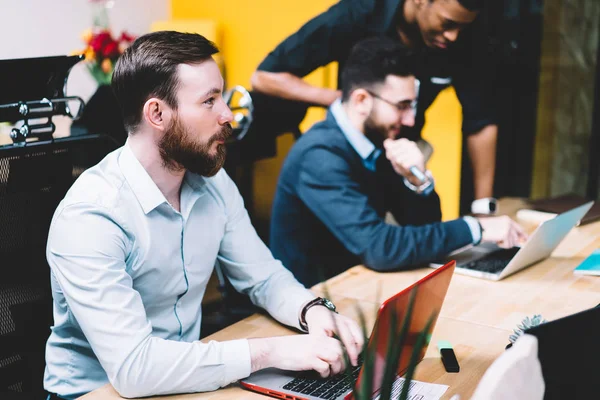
(319, 301)
(422, 188)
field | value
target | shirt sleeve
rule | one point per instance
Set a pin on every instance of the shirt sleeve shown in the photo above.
(250, 266)
(428, 206)
(476, 90)
(321, 40)
(326, 187)
(86, 251)
(475, 228)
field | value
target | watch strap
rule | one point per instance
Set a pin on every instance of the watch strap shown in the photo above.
(319, 301)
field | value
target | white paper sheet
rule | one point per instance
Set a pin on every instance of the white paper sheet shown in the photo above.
(418, 390)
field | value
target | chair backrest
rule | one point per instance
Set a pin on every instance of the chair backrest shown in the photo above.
(33, 180)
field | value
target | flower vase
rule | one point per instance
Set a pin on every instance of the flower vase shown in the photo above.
(100, 14)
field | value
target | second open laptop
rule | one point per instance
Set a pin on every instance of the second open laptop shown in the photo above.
(489, 261)
(431, 291)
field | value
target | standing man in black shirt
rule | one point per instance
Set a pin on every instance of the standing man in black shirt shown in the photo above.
(449, 52)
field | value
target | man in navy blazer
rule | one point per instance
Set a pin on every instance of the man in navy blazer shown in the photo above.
(345, 173)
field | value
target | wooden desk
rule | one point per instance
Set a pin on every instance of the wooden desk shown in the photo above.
(477, 316)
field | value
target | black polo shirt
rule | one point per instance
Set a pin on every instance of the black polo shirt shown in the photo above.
(331, 35)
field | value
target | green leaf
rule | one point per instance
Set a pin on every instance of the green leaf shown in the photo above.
(363, 324)
(422, 341)
(396, 344)
(101, 77)
(365, 391)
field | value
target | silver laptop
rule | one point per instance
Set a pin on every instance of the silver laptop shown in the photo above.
(488, 261)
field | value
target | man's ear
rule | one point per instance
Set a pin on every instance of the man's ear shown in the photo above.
(157, 114)
(361, 101)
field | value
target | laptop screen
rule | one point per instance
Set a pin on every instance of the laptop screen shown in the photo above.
(430, 294)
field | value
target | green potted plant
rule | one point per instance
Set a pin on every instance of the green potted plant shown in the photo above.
(399, 337)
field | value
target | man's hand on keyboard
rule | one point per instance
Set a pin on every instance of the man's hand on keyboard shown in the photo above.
(298, 353)
(322, 321)
(503, 231)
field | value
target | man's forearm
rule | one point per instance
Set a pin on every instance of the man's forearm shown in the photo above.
(260, 350)
(279, 293)
(291, 87)
(482, 151)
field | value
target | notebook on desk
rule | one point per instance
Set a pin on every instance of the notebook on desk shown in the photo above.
(560, 204)
(431, 291)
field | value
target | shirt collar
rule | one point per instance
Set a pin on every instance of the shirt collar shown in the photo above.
(363, 146)
(146, 191)
(195, 181)
(142, 185)
(190, 192)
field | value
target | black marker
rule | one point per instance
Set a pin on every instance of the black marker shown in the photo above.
(448, 356)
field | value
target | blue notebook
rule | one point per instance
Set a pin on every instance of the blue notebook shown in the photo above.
(589, 266)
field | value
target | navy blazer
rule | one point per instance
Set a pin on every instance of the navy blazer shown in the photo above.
(329, 212)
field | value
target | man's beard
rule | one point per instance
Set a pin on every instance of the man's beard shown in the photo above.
(178, 151)
(374, 132)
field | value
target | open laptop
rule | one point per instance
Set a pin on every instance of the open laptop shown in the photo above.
(291, 385)
(488, 261)
(569, 350)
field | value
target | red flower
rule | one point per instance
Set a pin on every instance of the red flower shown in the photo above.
(125, 37)
(100, 40)
(111, 50)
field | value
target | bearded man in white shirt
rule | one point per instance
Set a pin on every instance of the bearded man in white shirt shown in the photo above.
(133, 245)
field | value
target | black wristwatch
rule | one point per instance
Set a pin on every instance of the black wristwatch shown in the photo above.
(319, 301)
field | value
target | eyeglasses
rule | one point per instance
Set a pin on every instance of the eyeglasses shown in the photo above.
(402, 107)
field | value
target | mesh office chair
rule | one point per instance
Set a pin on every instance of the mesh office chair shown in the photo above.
(33, 180)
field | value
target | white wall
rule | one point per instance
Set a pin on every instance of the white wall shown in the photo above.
(37, 28)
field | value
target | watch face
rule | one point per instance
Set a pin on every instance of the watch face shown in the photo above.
(492, 206)
(327, 303)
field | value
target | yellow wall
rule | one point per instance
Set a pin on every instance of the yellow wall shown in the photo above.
(443, 131)
(250, 29)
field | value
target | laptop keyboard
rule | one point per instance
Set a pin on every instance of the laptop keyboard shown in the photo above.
(493, 262)
(328, 388)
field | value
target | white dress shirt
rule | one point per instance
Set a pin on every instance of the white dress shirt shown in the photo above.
(128, 275)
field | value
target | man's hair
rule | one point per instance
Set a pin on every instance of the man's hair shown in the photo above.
(148, 68)
(371, 61)
(471, 5)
